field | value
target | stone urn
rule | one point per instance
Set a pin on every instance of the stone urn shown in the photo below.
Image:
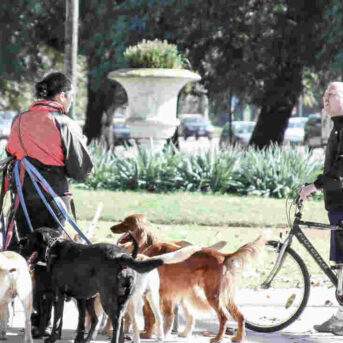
(152, 102)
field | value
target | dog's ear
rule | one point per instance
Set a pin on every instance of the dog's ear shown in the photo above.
(119, 228)
(24, 249)
(23, 242)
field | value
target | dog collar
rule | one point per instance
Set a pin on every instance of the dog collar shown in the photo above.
(51, 243)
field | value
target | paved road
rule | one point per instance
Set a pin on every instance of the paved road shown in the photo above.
(299, 332)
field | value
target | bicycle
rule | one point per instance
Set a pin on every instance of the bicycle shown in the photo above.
(282, 288)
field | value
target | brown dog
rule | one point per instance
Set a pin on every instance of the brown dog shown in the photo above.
(205, 281)
(137, 224)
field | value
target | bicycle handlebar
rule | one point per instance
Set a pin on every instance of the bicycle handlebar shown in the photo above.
(298, 201)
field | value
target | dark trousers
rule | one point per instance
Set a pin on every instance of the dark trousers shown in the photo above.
(39, 217)
(336, 242)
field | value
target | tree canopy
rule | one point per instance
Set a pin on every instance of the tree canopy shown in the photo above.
(259, 50)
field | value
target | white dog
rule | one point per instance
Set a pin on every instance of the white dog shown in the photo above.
(15, 280)
(147, 286)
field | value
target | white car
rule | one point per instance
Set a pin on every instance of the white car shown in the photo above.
(6, 119)
(241, 133)
(295, 132)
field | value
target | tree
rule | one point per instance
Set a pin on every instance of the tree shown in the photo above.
(255, 49)
(20, 58)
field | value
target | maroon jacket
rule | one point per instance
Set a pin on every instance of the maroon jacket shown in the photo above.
(51, 140)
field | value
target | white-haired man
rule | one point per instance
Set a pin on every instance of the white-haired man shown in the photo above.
(331, 182)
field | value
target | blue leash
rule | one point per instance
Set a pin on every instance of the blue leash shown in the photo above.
(33, 172)
(20, 193)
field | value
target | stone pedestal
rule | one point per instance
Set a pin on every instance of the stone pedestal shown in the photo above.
(152, 95)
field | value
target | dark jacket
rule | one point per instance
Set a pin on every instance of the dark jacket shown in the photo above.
(331, 181)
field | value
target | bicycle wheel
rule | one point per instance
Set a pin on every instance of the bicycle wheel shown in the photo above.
(272, 307)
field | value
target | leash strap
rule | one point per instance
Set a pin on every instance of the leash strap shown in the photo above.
(32, 170)
(4, 166)
(46, 203)
(19, 180)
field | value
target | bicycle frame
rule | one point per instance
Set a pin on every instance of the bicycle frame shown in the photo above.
(299, 234)
(287, 277)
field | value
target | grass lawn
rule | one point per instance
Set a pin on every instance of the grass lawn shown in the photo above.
(191, 208)
(202, 218)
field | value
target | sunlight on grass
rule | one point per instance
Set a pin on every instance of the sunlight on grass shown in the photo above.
(202, 219)
(192, 208)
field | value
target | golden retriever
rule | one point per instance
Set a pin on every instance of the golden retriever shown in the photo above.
(204, 281)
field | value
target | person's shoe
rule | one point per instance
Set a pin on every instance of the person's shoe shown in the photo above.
(331, 325)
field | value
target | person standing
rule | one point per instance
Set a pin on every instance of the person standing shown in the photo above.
(54, 144)
(331, 183)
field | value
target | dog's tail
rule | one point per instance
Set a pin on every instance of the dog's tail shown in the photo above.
(218, 246)
(239, 259)
(176, 256)
(141, 266)
(146, 264)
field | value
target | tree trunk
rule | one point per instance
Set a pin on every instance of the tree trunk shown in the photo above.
(71, 46)
(95, 109)
(103, 99)
(280, 97)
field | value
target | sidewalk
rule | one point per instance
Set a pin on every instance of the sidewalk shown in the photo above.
(299, 332)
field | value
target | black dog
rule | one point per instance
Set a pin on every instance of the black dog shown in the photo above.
(81, 271)
(43, 297)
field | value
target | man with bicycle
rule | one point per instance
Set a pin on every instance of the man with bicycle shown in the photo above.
(331, 182)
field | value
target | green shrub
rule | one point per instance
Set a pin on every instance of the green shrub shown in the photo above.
(207, 172)
(273, 172)
(154, 54)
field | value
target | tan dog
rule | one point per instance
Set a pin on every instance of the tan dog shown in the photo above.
(15, 280)
(137, 224)
(203, 282)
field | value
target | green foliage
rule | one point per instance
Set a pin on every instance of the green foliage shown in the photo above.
(154, 54)
(273, 172)
(206, 171)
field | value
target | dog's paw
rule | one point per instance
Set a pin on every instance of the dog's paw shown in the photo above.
(79, 340)
(35, 332)
(145, 335)
(3, 336)
(168, 337)
(185, 333)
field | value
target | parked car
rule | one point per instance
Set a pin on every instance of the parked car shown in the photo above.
(118, 117)
(241, 133)
(6, 119)
(197, 126)
(294, 133)
(313, 131)
(121, 132)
